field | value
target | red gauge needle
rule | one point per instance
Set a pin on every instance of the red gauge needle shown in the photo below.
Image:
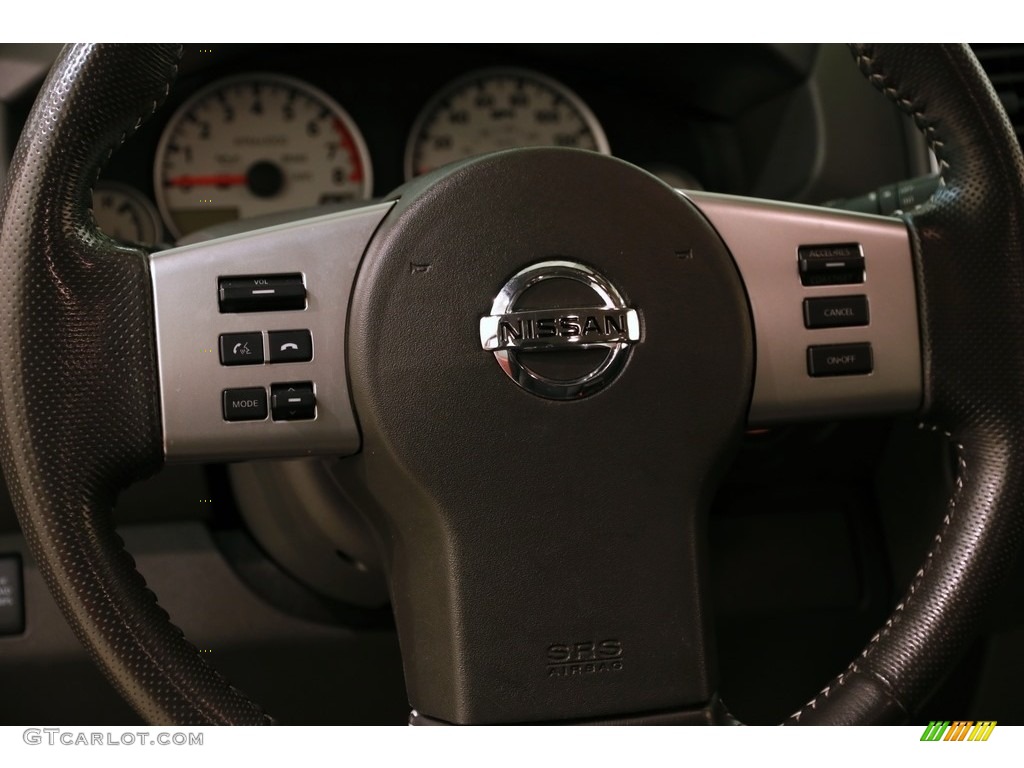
(347, 144)
(221, 180)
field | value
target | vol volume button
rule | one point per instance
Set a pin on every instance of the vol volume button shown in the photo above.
(261, 293)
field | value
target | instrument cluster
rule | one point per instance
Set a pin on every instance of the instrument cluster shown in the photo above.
(262, 143)
(255, 132)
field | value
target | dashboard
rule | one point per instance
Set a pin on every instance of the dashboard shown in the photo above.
(252, 130)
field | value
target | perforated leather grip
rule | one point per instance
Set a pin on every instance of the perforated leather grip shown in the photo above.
(79, 409)
(969, 253)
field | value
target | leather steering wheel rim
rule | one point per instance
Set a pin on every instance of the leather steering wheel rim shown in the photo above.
(967, 250)
(79, 335)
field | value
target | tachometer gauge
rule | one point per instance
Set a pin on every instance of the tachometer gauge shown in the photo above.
(125, 214)
(257, 144)
(493, 109)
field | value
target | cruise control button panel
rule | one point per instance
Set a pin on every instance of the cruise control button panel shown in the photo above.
(836, 312)
(291, 346)
(293, 402)
(839, 360)
(241, 348)
(833, 300)
(248, 404)
(261, 293)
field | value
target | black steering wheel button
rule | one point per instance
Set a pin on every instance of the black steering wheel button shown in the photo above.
(831, 264)
(241, 348)
(261, 293)
(12, 599)
(293, 402)
(836, 312)
(291, 347)
(248, 404)
(840, 360)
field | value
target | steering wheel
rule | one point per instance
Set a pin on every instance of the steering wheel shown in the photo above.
(540, 363)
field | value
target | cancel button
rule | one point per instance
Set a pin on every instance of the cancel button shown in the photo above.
(836, 311)
(839, 360)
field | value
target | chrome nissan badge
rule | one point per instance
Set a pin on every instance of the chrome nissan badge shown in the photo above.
(560, 330)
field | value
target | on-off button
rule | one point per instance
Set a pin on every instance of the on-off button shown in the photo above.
(839, 360)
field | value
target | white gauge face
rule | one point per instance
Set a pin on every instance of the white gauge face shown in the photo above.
(257, 144)
(497, 109)
(125, 214)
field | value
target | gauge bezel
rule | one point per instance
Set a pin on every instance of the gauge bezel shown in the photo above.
(137, 195)
(248, 77)
(445, 91)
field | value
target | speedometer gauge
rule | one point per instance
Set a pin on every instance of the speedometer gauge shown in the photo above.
(493, 109)
(257, 144)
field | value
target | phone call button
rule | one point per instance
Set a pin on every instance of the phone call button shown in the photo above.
(241, 348)
(290, 346)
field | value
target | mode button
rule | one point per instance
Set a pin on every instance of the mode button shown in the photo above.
(248, 404)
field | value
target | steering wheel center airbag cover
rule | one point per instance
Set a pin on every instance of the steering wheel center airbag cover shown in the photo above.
(516, 521)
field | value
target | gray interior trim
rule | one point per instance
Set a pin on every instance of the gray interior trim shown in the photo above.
(294, 509)
(24, 65)
(215, 617)
(48, 676)
(764, 238)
